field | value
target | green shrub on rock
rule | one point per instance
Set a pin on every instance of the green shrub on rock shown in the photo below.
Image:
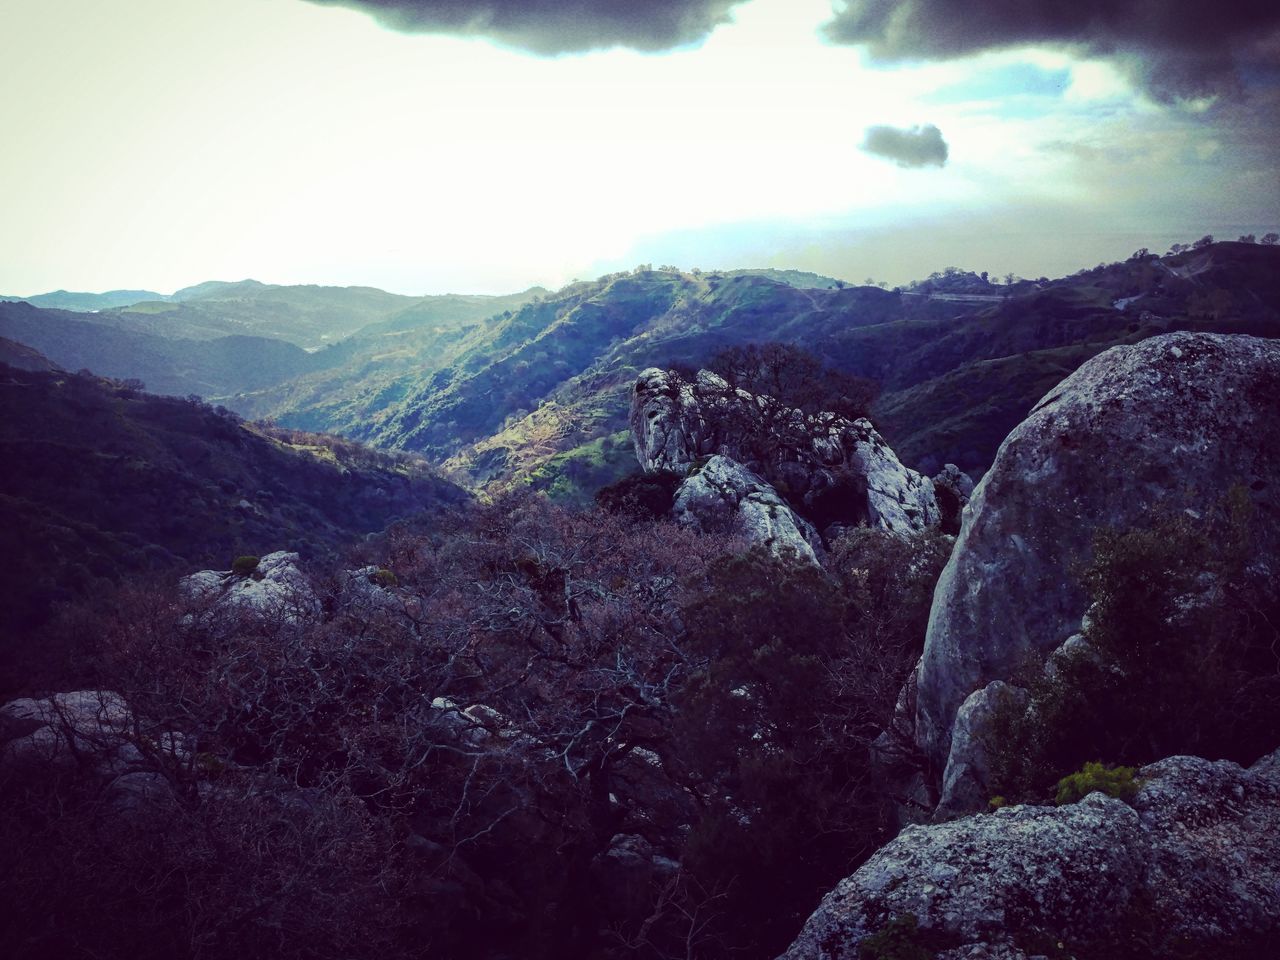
(899, 939)
(384, 578)
(1115, 782)
(244, 566)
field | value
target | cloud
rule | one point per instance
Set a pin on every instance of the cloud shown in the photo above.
(907, 146)
(551, 27)
(1173, 48)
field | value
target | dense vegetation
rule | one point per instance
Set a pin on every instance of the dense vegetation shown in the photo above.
(525, 396)
(532, 389)
(1180, 654)
(105, 482)
(558, 734)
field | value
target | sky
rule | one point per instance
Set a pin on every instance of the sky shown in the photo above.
(431, 146)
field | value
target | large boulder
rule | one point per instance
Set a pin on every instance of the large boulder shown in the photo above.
(1166, 425)
(277, 587)
(67, 731)
(1192, 868)
(835, 470)
(724, 495)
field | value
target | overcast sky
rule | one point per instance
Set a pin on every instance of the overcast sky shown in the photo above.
(426, 146)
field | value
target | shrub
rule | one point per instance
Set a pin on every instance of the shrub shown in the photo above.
(384, 578)
(244, 566)
(900, 939)
(1115, 782)
(1179, 657)
(642, 495)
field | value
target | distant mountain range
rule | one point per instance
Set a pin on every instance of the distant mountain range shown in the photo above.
(533, 388)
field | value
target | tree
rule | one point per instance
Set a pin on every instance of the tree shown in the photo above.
(802, 673)
(794, 378)
(1248, 238)
(1203, 242)
(1271, 239)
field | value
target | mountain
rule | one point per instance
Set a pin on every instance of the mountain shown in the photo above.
(792, 278)
(540, 397)
(107, 482)
(379, 365)
(531, 389)
(86, 302)
(308, 316)
(211, 368)
(23, 357)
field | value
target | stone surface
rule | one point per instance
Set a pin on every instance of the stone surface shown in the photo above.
(277, 587)
(1191, 869)
(80, 730)
(964, 784)
(723, 494)
(1168, 424)
(987, 879)
(953, 488)
(829, 466)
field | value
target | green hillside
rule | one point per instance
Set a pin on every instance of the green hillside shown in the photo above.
(107, 482)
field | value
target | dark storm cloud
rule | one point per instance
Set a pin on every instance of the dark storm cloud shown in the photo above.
(1174, 48)
(551, 27)
(907, 146)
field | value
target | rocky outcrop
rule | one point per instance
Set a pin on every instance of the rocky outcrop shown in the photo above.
(1166, 425)
(67, 731)
(952, 487)
(832, 469)
(724, 495)
(964, 782)
(277, 587)
(1192, 868)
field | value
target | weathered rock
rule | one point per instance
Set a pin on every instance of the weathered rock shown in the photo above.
(1168, 424)
(1214, 863)
(276, 588)
(835, 469)
(1191, 869)
(368, 591)
(67, 731)
(964, 784)
(952, 487)
(989, 879)
(723, 494)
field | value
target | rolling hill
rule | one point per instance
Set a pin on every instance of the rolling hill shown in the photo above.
(540, 396)
(107, 483)
(532, 389)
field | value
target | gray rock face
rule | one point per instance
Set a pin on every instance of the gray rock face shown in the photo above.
(1167, 424)
(953, 489)
(827, 462)
(986, 879)
(277, 587)
(1193, 865)
(67, 731)
(964, 785)
(667, 426)
(723, 494)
